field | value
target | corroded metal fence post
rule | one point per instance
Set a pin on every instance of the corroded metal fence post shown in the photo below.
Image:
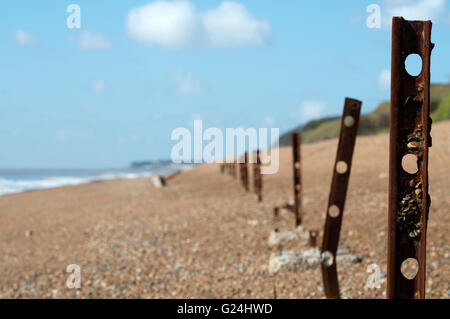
(241, 170)
(296, 148)
(410, 126)
(244, 172)
(313, 238)
(276, 218)
(257, 177)
(336, 201)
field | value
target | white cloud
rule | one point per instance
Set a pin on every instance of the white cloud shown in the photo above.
(384, 79)
(188, 85)
(169, 24)
(93, 41)
(178, 25)
(269, 120)
(311, 110)
(23, 38)
(415, 10)
(98, 87)
(231, 25)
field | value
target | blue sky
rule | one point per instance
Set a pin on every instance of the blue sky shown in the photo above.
(112, 91)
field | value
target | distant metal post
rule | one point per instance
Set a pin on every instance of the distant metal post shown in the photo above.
(276, 218)
(336, 201)
(410, 127)
(257, 177)
(296, 149)
(313, 238)
(244, 172)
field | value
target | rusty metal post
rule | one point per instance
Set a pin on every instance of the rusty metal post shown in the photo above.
(244, 172)
(336, 201)
(257, 177)
(296, 148)
(222, 168)
(410, 127)
(276, 218)
(241, 172)
(313, 238)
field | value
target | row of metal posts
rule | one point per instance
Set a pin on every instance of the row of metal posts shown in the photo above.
(409, 202)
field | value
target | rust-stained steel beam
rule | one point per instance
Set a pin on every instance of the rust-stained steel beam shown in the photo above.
(257, 177)
(410, 127)
(276, 218)
(244, 172)
(296, 207)
(336, 201)
(296, 158)
(313, 238)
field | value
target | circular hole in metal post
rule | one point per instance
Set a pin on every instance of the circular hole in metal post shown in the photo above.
(409, 163)
(334, 211)
(413, 64)
(326, 258)
(341, 167)
(410, 268)
(349, 121)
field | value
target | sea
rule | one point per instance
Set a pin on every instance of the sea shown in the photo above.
(21, 180)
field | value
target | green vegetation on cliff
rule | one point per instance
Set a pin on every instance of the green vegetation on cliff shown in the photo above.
(375, 122)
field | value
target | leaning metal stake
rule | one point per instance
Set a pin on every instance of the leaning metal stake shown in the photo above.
(336, 201)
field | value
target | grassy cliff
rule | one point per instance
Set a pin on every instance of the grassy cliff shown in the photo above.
(375, 122)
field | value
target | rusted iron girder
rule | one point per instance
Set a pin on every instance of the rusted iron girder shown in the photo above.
(296, 207)
(410, 127)
(313, 238)
(296, 158)
(244, 172)
(336, 201)
(276, 218)
(257, 177)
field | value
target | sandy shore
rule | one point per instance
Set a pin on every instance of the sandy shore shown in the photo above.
(203, 237)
